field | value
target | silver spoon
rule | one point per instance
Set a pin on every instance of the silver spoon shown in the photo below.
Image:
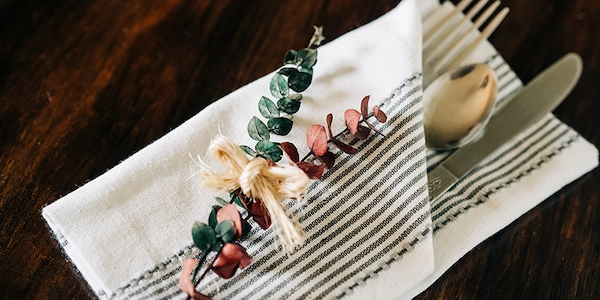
(458, 105)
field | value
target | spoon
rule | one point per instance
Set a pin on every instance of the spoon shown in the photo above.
(458, 105)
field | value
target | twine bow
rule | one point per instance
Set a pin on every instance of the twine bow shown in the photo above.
(258, 179)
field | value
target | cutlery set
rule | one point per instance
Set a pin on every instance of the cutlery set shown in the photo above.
(445, 47)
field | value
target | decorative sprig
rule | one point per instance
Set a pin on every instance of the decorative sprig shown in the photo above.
(318, 137)
(286, 87)
(225, 227)
(228, 221)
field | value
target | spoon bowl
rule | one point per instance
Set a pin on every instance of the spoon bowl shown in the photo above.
(458, 105)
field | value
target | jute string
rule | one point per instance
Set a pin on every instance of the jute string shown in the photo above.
(258, 179)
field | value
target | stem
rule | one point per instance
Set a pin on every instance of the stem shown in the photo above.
(210, 266)
(200, 263)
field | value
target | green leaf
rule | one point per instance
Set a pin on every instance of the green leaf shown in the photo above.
(246, 228)
(288, 105)
(237, 200)
(290, 57)
(258, 130)
(287, 71)
(305, 70)
(269, 150)
(225, 231)
(248, 150)
(212, 219)
(300, 81)
(280, 126)
(204, 236)
(306, 58)
(267, 108)
(279, 87)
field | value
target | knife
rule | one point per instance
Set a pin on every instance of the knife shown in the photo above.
(544, 93)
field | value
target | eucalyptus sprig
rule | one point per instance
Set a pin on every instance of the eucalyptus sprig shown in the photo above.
(228, 221)
(286, 86)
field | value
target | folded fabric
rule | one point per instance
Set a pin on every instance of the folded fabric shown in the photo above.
(370, 230)
(520, 175)
(128, 230)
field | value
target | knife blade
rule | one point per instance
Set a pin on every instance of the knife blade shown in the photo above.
(544, 93)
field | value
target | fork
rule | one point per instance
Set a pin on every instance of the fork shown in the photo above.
(449, 41)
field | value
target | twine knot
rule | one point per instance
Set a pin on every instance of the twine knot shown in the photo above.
(258, 179)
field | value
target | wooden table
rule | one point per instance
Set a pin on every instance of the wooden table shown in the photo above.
(85, 84)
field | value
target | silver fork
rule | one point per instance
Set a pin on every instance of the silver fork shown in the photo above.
(449, 41)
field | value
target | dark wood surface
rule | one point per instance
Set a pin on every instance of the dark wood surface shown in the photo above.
(85, 84)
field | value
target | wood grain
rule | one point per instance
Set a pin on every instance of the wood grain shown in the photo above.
(85, 84)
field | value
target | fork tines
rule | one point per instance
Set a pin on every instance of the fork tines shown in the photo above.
(455, 36)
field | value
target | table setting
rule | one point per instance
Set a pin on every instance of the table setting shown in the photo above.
(384, 211)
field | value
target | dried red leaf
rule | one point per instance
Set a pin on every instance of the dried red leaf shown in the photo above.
(185, 280)
(362, 132)
(344, 147)
(317, 139)
(291, 151)
(364, 107)
(229, 212)
(379, 114)
(233, 257)
(260, 214)
(328, 159)
(352, 117)
(312, 171)
(329, 120)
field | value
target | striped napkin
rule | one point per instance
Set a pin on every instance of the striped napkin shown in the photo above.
(370, 231)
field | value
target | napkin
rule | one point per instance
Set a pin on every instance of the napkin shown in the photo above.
(370, 231)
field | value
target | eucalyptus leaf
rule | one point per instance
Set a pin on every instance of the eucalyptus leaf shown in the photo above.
(204, 236)
(237, 200)
(246, 228)
(267, 108)
(306, 58)
(288, 105)
(280, 126)
(279, 87)
(300, 81)
(306, 70)
(225, 231)
(288, 71)
(248, 150)
(316, 138)
(212, 218)
(269, 150)
(258, 130)
(290, 57)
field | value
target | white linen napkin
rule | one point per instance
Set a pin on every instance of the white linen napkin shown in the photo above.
(371, 233)
(127, 230)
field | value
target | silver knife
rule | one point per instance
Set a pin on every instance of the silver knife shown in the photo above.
(544, 93)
